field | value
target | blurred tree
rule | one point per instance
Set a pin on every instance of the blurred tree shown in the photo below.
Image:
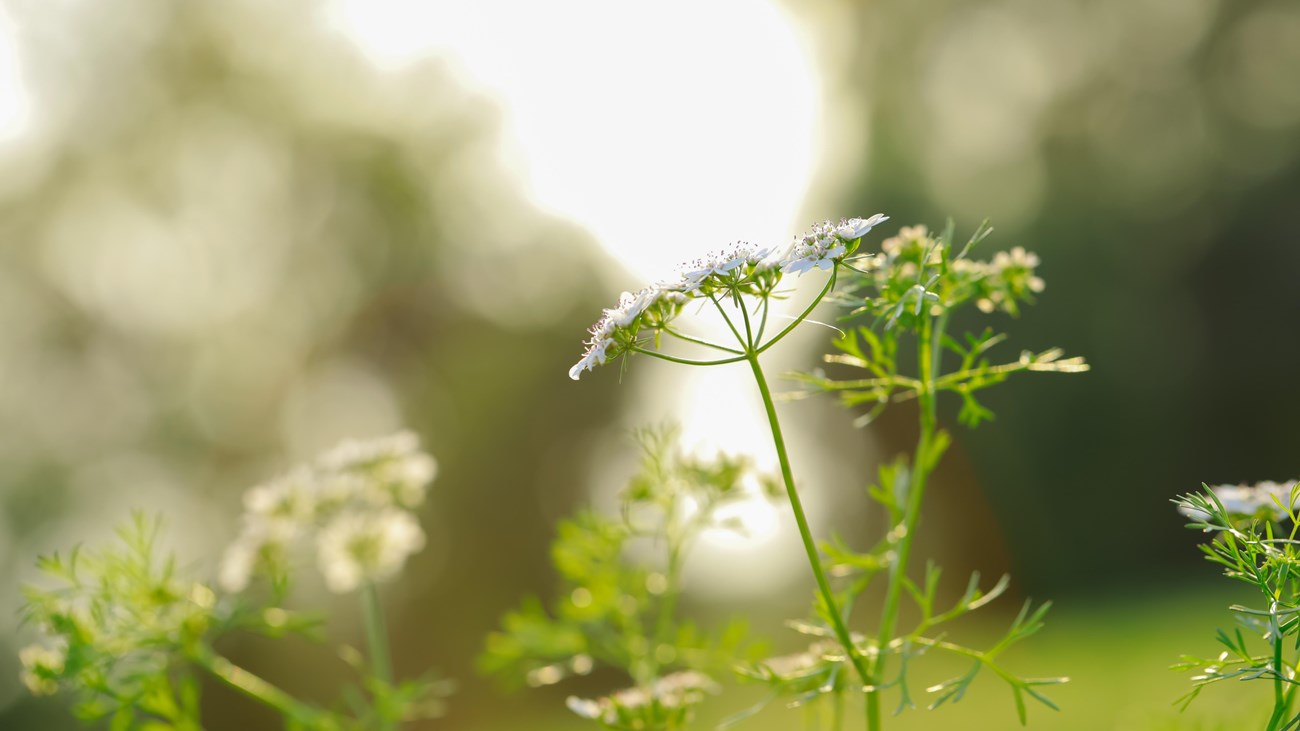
(229, 241)
(1150, 151)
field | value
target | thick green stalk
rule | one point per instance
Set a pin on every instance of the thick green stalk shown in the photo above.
(927, 364)
(805, 533)
(377, 640)
(672, 590)
(1283, 698)
(1277, 670)
(256, 688)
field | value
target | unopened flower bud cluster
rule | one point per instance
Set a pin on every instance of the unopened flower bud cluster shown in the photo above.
(354, 503)
(740, 269)
(914, 259)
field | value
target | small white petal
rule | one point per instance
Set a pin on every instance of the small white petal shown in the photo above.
(583, 707)
(576, 371)
(856, 228)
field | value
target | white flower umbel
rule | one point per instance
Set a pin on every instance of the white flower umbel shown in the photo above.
(366, 547)
(353, 502)
(738, 275)
(719, 264)
(826, 244)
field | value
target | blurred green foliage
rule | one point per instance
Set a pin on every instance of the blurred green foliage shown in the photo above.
(617, 607)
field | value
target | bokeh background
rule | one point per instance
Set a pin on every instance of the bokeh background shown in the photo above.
(234, 232)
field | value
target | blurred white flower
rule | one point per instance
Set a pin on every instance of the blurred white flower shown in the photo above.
(1268, 497)
(584, 707)
(287, 498)
(237, 563)
(41, 666)
(354, 500)
(393, 466)
(362, 548)
(674, 691)
(261, 546)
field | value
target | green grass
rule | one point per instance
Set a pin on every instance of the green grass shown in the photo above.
(1116, 649)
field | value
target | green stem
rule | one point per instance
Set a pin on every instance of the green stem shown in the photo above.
(1278, 698)
(762, 323)
(805, 533)
(803, 315)
(837, 711)
(701, 341)
(258, 689)
(377, 640)
(686, 361)
(930, 336)
(722, 311)
(668, 606)
(1283, 692)
(749, 328)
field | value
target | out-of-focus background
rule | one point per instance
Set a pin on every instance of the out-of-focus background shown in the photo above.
(234, 232)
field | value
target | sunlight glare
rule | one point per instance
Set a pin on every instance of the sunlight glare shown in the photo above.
(14, 101)
(665, 131)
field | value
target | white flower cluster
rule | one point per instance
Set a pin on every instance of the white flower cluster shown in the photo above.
(1266, 498)
(617, 327)
(672, 692)
(737, 269)
(355, 502)
(826, 244)
(719, 263)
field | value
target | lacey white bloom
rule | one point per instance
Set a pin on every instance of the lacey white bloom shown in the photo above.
(856, 228)
(720, 263)
(826, 243)
(740, 270)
